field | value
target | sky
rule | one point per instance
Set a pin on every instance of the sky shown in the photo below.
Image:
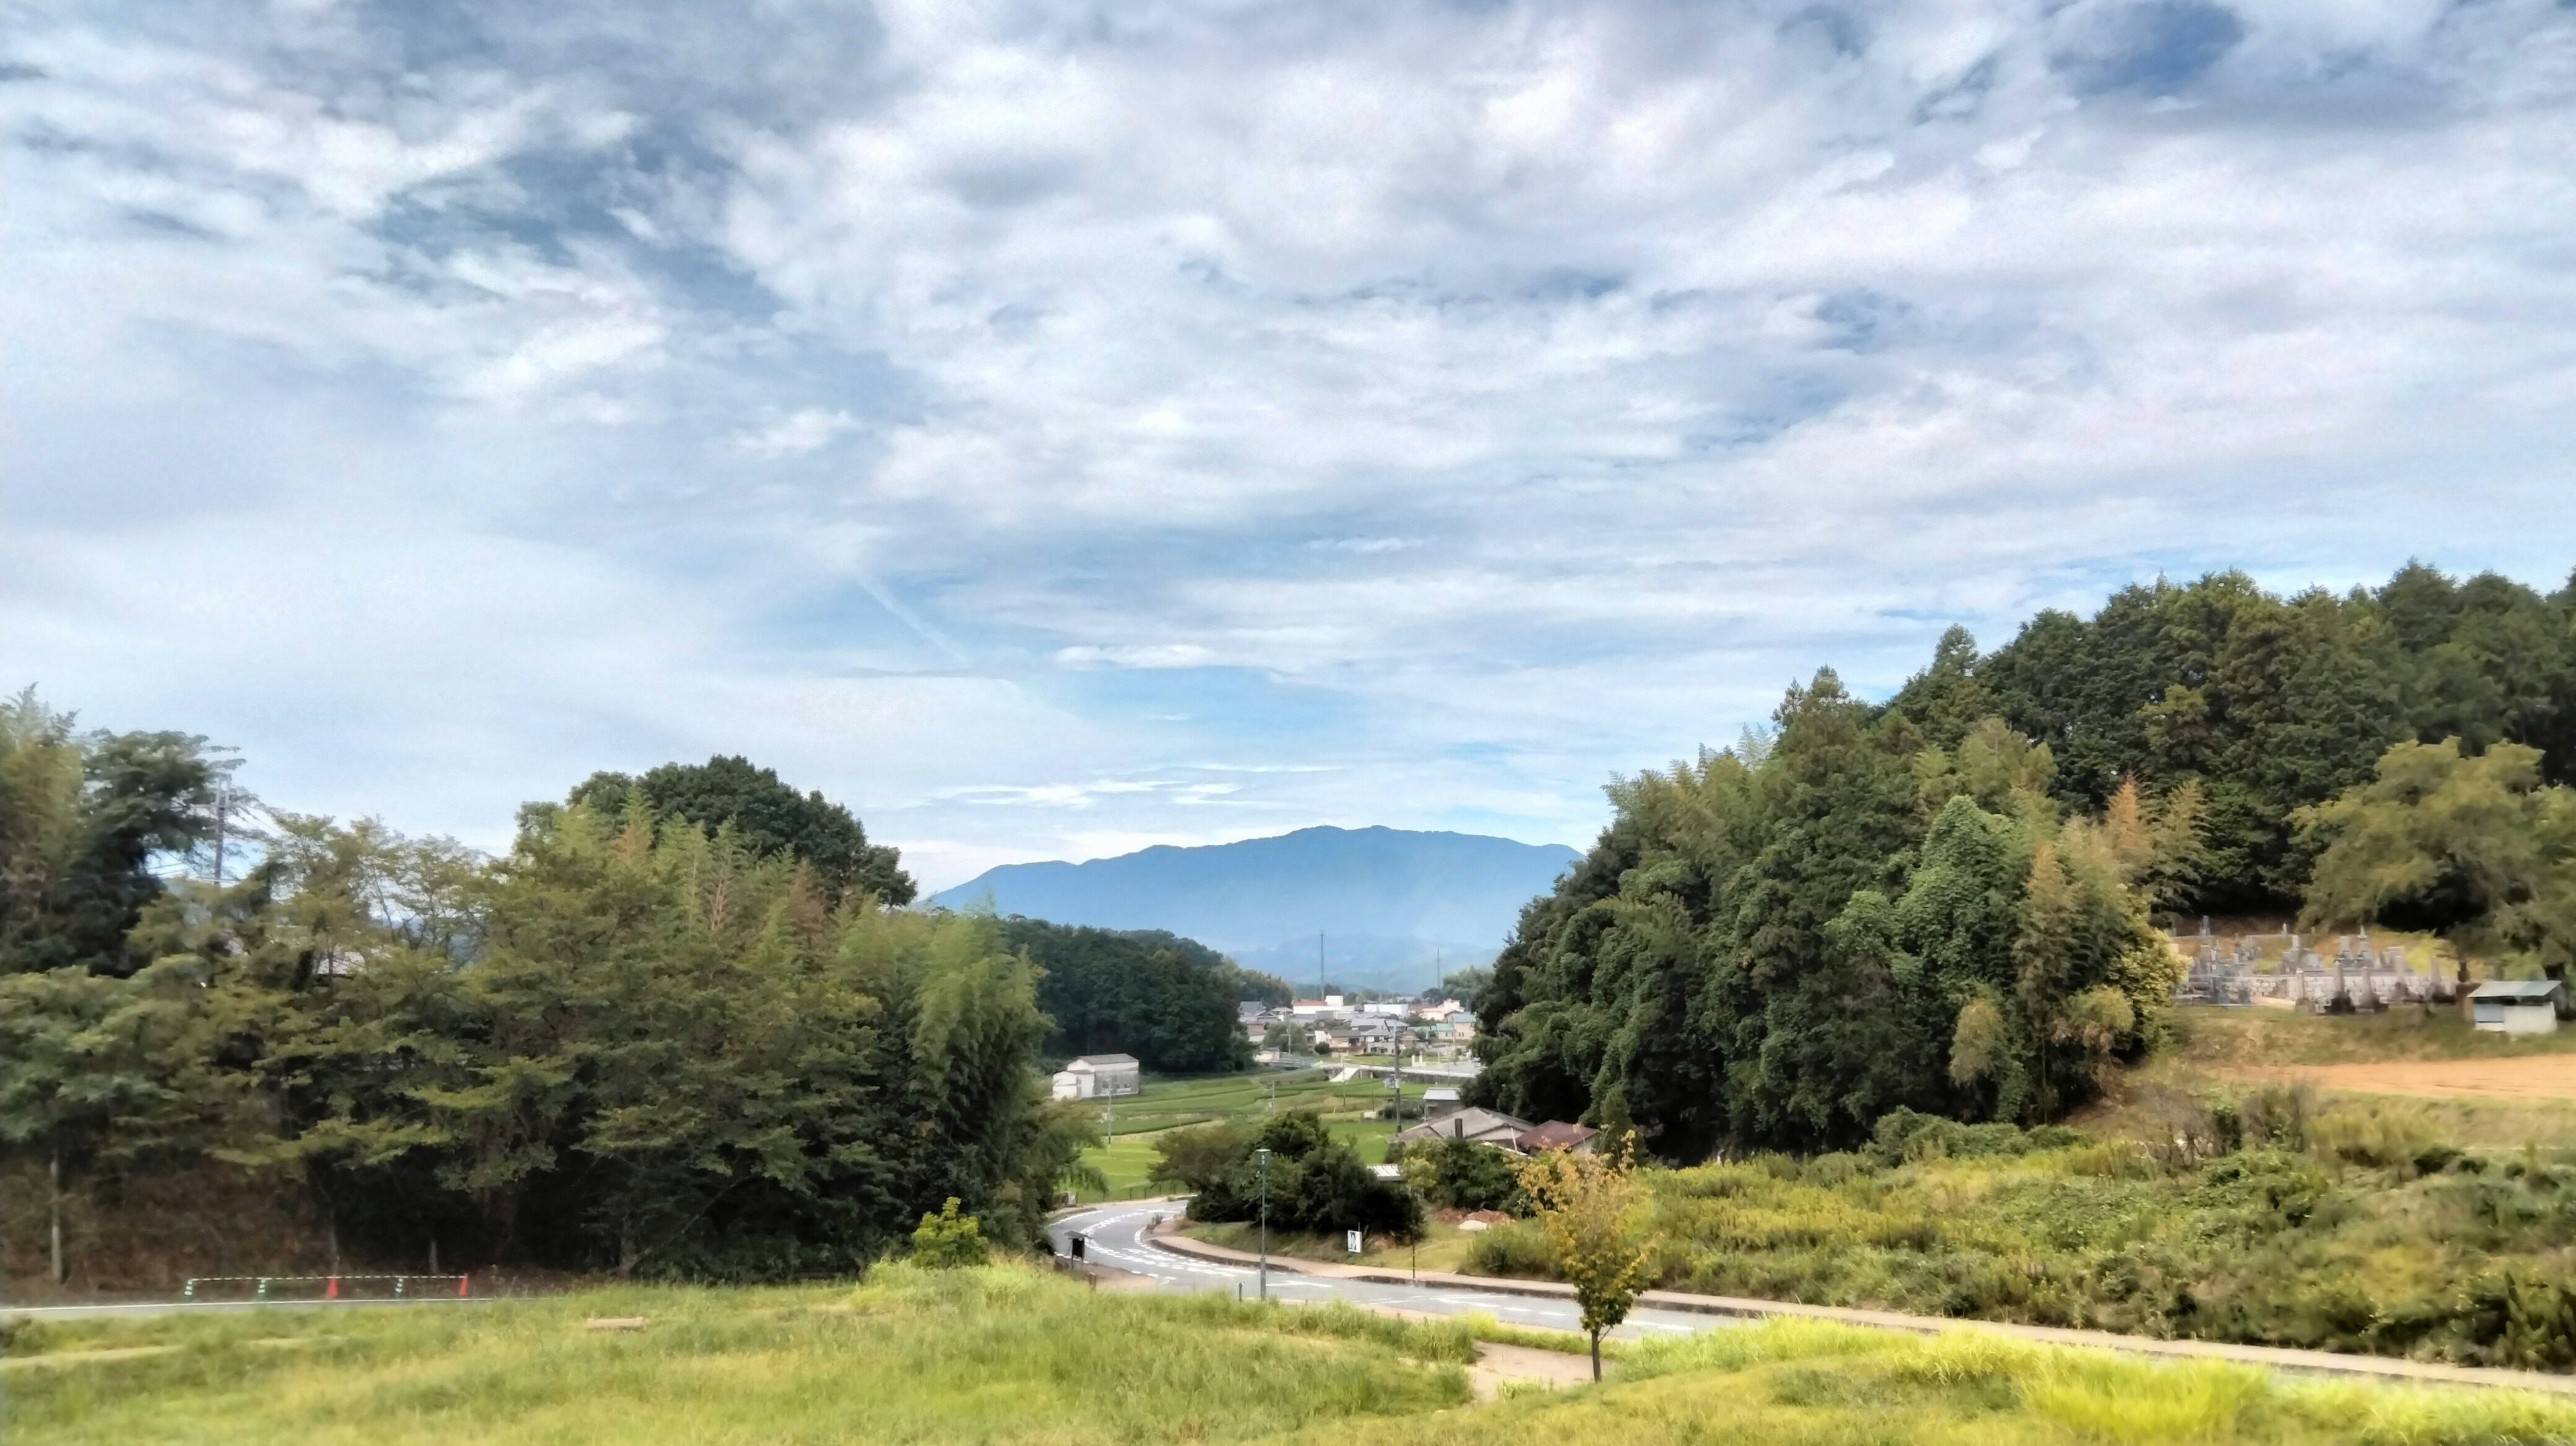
(1057, 429)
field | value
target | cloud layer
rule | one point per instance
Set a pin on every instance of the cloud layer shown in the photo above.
(1055, 429)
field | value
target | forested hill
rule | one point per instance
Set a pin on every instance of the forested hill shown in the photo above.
(2269, 703)
(1275, 894)
(1947, 901)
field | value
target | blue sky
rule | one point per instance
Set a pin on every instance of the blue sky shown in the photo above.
(1059, 429)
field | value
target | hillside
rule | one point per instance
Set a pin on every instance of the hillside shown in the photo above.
(1392, 903)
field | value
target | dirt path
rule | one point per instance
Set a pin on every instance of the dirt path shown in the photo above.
(2530, 1077)
(1497, 1365)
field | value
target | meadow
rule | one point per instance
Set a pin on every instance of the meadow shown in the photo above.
(1013, 1355)
(1001, 1354)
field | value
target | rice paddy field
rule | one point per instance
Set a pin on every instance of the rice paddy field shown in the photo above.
(1013, 1355)
(1168, 1103)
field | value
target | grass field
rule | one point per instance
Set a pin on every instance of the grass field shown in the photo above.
(2221, 1039)
(1168, 1103)
(1798, 1383)
(1006, 1354)
(1015, 1356)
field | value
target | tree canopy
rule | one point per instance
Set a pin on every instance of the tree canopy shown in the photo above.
(769, 817)
(1167, 1000)
(631, 1043)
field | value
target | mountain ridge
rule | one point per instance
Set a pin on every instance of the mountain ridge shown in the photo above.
(1454, 895)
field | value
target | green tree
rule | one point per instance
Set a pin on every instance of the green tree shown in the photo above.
(1168, 1001)
(84, 819)
(2477, 847)
(767, 815)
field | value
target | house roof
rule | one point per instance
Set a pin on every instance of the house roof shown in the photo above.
(1554, 1135)
(1104, 1061)
(1474, 1123)
(2516, 991)
(1440, 1096)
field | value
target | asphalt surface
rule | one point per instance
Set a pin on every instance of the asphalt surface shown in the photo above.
(1114, 1236)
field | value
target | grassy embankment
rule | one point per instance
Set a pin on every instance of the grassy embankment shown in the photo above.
(1168, 1103)
(2435, 1227)
(1009, 1355)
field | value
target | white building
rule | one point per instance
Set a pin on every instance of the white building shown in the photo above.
(1328, 1007)
(2515, 1006)
(1099, 1077)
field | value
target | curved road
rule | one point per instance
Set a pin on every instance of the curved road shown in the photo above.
(1115, 1236)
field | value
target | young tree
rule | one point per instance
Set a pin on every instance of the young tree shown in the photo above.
(1593, 1208)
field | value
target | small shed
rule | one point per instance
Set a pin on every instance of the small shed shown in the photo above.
(1439, 1100)
(2516, 1006)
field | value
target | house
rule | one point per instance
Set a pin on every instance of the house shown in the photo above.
(1490, 1127)
(1099, 1076)
(2516, 1006)
(1439, 1101)
(1328, 1007)
(1558, 1135)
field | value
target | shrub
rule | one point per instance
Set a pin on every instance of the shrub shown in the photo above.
(1519, 1248)
(948, 1240)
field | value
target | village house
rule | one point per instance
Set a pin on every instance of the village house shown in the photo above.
(1099, 1076)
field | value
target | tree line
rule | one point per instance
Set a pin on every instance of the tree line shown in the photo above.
(1947, 902)
(646, 1039)
(1167, 1000)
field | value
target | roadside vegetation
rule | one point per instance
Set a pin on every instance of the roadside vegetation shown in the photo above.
(2268, 1221)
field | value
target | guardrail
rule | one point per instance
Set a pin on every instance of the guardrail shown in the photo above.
(285, 1288)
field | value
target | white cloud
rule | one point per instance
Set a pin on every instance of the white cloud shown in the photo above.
(1134, 655)
(1501, 395)
(794, 434)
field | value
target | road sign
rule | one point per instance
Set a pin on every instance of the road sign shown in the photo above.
(1351, 1241)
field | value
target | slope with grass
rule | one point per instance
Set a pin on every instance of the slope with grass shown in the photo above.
(999, 1354)
(2268, 1221)
(1787, 1382)
(1008, 1355)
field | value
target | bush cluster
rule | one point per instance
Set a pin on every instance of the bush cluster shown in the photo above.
(1316, 1183)
(2348, 1229)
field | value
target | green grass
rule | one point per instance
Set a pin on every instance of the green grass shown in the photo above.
(2211, 1037)
(2377, 1238)
(1009, 1355)
(1785, 1382)
(998, 1355)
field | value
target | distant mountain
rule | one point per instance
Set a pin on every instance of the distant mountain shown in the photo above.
(1403, 904)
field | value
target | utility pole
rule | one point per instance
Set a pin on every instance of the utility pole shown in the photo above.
(1263, 1155)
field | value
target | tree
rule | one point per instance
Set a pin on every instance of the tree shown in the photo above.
(1168, 1001)
(1593, 1209)
(769, 817)
(2478, 848)
(84, 818)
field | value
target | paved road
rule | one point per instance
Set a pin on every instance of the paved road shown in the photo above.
(1115, 1238)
